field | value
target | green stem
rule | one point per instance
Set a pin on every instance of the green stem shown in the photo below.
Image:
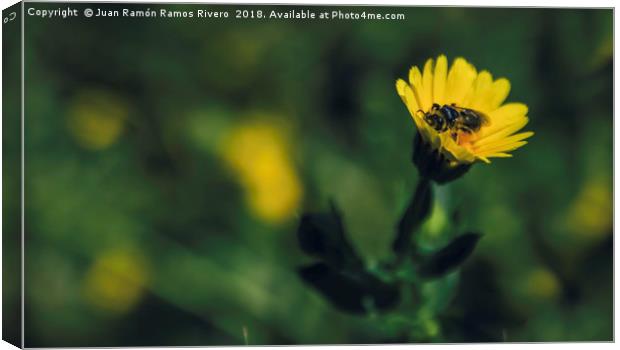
(418, 209)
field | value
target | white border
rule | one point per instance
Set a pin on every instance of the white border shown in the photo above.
(482, 3)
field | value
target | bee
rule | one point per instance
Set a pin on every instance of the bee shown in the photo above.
(453, 118)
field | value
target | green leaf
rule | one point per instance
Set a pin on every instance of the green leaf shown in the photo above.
(323, 235)
(355, 292)
(450, 257)
(419, 208)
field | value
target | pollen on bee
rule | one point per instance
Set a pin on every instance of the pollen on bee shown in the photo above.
(463, 138)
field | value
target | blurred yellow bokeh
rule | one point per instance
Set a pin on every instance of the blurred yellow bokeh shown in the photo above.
(437, 221)
(116, 281)
(542, 283)
(259, 154)
(603, 54)
(591, 212)
(96, 118)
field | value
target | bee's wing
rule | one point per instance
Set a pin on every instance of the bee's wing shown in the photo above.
(485, 118)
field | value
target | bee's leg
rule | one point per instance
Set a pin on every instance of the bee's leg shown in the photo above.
(455, 136)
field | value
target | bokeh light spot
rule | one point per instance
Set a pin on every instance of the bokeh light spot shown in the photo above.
(542, 283)
(96, 118)
(259, 155)
(591, 213)
(116, 281)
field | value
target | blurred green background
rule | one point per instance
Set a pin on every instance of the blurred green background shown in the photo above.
(168, 162)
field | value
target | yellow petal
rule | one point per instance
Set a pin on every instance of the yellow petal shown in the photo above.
(439, 79)
(415, 80)
(501, 88)
(412, 105)
(400, 88)
(460, 80)
(507, 114)
(427, 83)
(431, 136)
(500, 155)
(484, 159)
(502, 133)
(411, 101)
(460, 153)
(477, 98)
(504, 143)
(505, 140)
(508, 111)
(503, 148)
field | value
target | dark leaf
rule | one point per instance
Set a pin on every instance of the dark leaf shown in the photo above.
(418, 209)
(357, 292)
(323, 235)
(450, 257)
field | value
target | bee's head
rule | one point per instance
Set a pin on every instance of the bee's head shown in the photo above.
(435, 120)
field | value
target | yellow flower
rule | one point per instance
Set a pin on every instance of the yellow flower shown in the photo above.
(465, 87)
(258, 152)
